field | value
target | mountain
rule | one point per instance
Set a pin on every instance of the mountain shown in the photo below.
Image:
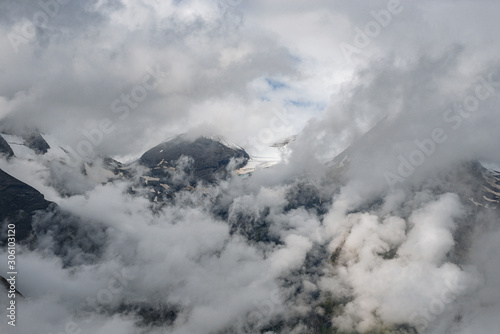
(5, 148)
(200, 193)
(210, 157)
(203, 159)
(36, 142)
(18, 203)
(28, 138)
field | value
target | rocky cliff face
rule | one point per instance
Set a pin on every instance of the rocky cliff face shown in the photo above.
(18, 203)
(36, 142)
(210, 157)
(5, 148)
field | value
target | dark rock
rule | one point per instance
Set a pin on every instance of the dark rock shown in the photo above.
(18, 203)
(210, 157)
(36, 142)
(5, 148)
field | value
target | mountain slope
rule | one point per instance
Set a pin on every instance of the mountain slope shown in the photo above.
(211, 157)
(5, 148)
(18, 203)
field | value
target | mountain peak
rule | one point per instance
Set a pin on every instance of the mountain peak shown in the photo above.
(211, 155)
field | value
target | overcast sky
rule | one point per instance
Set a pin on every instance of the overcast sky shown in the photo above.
(234, 67)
